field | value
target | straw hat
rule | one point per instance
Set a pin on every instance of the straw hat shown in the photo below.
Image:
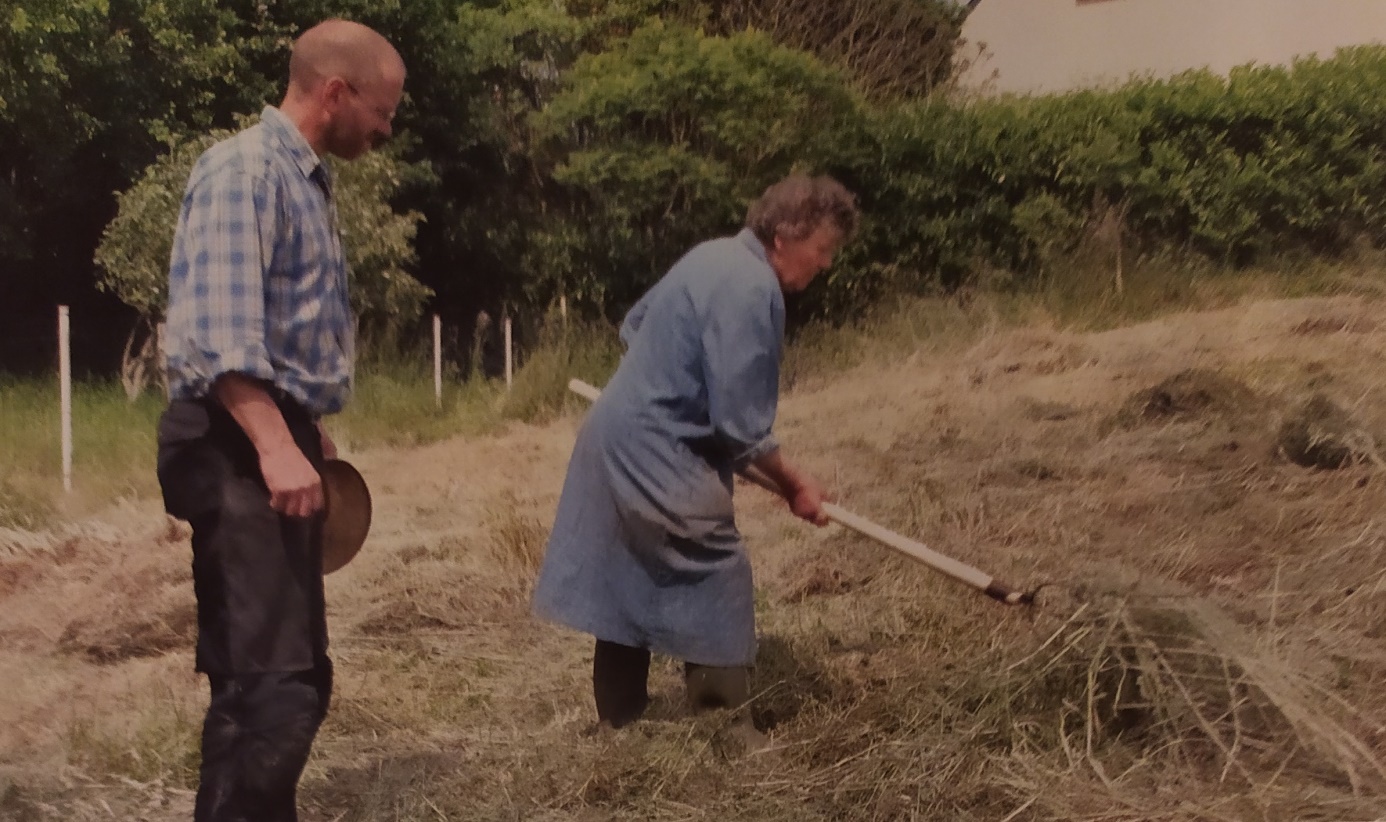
(348, 514)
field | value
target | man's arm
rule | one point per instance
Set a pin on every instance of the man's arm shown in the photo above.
(294, 485)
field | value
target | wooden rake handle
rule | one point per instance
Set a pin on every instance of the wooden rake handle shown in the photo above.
(960, 571)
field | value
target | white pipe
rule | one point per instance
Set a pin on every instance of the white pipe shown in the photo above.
(437, 361)
(509, 356)
(65, 390)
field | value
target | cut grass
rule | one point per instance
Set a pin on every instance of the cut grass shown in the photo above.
(1210, 649)
(395, 405)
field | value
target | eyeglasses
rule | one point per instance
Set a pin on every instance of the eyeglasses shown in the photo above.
(388, 115)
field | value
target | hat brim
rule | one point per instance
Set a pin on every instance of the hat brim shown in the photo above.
(347, 509)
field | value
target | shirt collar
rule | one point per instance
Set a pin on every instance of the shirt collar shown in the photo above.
(749, 238)
(293, 141)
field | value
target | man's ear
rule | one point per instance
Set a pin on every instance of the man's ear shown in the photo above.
(334, 92)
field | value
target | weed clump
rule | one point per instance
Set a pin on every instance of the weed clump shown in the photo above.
(1187, 395)
(1320, 434)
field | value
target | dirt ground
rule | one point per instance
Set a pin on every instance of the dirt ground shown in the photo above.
(1140, 471)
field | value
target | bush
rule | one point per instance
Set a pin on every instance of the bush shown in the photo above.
(1239, 170)
(662, 143)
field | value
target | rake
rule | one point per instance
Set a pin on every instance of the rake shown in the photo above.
(946, 565)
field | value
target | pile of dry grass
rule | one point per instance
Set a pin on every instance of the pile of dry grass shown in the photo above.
(1129, 705)
(1169, 686)
(1320, 434)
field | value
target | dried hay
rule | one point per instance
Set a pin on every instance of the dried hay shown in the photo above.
(1320, 434)
(515, 538)
(1189, 394)
(107, 641)
(887, 693)
(1172, 681)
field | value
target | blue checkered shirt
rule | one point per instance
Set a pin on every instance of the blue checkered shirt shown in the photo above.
(258, 279)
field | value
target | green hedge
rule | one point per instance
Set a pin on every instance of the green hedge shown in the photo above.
(1267, 162)
(664, 139)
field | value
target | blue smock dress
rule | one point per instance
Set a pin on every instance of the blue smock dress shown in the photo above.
(644, 550)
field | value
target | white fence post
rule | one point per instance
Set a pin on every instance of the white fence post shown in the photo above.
(509, 356)
(65, 390)
(437, 361)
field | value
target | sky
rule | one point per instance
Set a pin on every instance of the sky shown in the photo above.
(1053, 45)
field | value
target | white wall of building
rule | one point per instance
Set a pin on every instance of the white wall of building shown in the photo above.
(1054, 45)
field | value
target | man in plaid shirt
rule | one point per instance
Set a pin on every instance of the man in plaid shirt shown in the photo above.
(260, 348)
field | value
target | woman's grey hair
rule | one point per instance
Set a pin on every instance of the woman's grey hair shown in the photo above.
(794, 207)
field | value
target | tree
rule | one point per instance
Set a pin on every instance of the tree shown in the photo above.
(663, 141)
(891, 48)
(90, 90)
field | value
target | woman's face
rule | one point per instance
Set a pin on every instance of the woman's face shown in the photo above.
(797, 262)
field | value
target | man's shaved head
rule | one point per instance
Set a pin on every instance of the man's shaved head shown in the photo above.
(345, 83)
(341, 48)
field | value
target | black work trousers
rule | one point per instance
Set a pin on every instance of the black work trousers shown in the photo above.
(262, 629)
(255, 742)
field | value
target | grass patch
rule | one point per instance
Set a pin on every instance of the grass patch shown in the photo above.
(114, 440)
(1085, 295)
(23, 508)
(587, 351)
(112, 448)
(156, 745)
(1077, 294)
(395, 406)
(395, 402)
(889, 331)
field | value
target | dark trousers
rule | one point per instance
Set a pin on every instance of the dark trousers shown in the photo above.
(262, 629)
(620, 684)
(255, 742)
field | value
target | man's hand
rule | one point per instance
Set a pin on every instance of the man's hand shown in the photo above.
(295, 487)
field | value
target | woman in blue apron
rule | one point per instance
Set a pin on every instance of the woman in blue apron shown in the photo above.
(645, 554)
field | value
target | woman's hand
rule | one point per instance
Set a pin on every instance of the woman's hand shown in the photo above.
(801, 490)
(807, 501)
